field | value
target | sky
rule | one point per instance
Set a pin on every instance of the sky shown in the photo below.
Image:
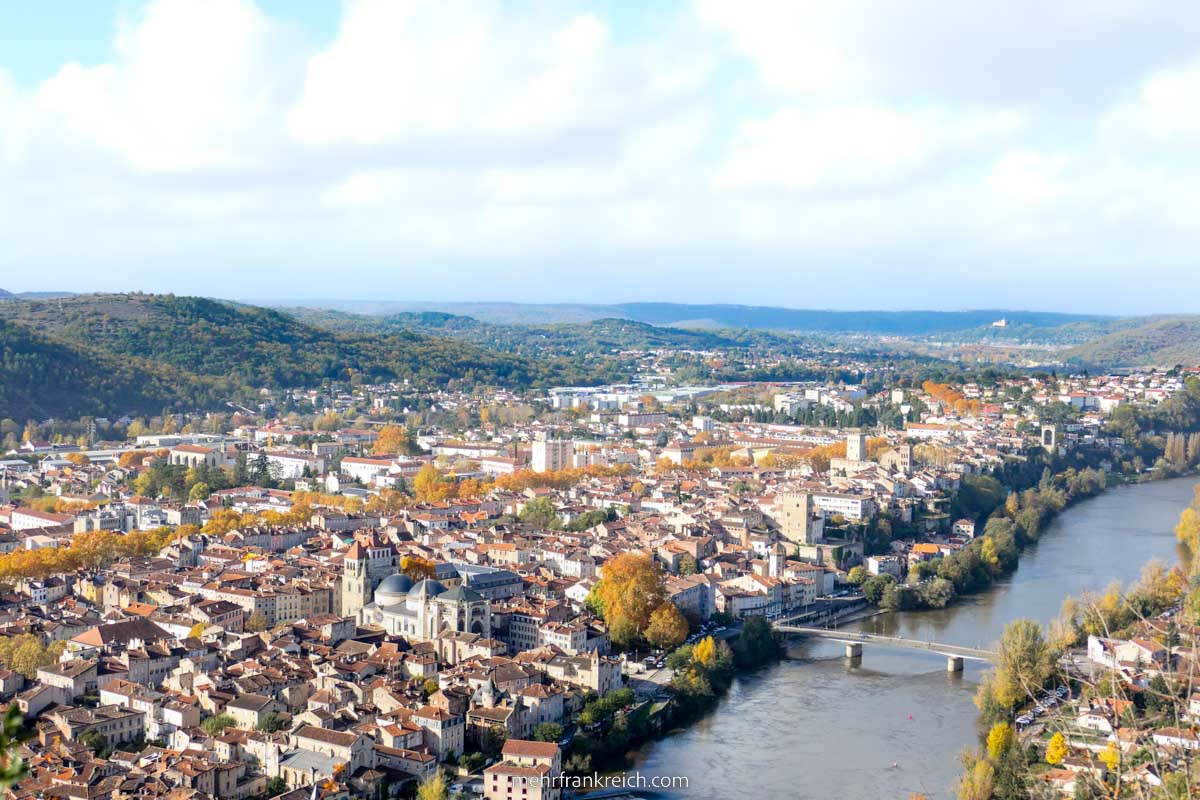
(851, 154)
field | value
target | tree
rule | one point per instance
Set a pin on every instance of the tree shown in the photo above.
(757, 644)
(936, 593)
(978, 781)
(873, 588)
(1000, 740)
(199, 491)
(12, 733)
(705, 652)
(93, 740)
(417, 568)
(215, 724)
(1111, 757)
(1056, 749)
(688, 566)
(667, 627)
(629, 592)
(548, 732)
(857, 575)
(257, 622)
(197, 630)
(434, 787)
(393, 439)
(270, 722)
(540, 512)
(276, 786)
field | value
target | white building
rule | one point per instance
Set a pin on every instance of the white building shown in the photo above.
(550, 455)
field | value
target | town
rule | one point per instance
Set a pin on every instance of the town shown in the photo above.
(362, 590)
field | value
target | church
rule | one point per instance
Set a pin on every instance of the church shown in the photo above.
(426, 610)
(368, 561)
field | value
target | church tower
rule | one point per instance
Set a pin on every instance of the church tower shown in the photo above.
(777, 563)
(356, 584)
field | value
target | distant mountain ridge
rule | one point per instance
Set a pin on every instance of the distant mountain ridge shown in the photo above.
(686, 315)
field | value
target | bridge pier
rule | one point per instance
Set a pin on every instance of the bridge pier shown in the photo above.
(954, 663)
(853, 650)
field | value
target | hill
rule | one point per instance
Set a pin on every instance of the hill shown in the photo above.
(40, 377)
(596, 336)
(126, 350)
(1157, 341)
(723, 316)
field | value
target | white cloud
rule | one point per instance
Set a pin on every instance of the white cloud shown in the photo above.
(852, 146)
(473, 134)
(194, 87)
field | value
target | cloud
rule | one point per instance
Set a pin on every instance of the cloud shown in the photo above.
(718, 149)
(853, 146)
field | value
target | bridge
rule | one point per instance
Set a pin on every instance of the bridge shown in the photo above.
(854, 641)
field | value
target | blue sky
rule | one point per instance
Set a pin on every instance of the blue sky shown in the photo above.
(859, 154)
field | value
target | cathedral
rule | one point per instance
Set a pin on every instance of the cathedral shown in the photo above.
(375, 593)
(426, 610)
(366, 564)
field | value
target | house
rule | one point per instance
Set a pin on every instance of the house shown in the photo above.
(251, 709)
(527, 771)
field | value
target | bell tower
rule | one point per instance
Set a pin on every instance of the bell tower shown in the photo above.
(355, 581)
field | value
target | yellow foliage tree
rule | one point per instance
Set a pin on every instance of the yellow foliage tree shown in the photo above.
(1056, 749)
(1000, 740)
(705, 652)
(668, 627)
(629, 591)
(1111, 757)
(392, 439)
(417, 568)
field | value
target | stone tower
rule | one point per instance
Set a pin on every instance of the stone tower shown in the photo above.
(356, 584)
(856, 445)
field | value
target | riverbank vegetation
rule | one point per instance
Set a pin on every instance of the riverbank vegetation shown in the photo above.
(1013, 520)
(612, 726)
(1130, 725)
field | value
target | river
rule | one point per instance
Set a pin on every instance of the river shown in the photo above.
(815, 726)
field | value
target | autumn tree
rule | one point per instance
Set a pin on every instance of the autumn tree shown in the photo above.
(1056, 749)
(668, 627)
(256, 622)
(628, 593)
(434, 787)
(392, 439)
(1000, 740)
(417, 568)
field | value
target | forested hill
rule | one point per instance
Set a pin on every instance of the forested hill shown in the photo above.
(138, 352)
(1159, 342)
(596, 336)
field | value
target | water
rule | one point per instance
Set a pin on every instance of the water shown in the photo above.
(814, 726)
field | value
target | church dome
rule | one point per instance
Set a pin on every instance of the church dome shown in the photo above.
(427, 588)
(392, 589)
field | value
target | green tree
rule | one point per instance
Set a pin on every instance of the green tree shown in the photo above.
(215, 724)
(12, 733)
(270, 722)
(256, 622)
(548, 732)
(94, 741)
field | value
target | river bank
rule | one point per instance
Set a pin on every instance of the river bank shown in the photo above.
(817, 725)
